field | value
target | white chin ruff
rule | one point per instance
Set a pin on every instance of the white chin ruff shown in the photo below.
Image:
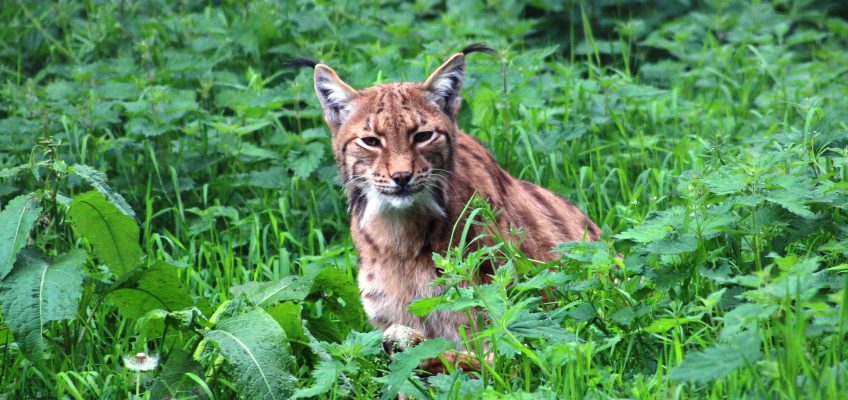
(402, 202)
(380, 204)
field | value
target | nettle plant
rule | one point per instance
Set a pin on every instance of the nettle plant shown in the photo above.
(64, 258)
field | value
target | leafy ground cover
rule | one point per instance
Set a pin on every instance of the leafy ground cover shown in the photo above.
(167, 188)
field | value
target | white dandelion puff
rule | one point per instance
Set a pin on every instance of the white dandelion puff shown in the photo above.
(141, 362)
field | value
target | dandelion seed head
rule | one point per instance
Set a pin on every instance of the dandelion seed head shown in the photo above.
(141, 362)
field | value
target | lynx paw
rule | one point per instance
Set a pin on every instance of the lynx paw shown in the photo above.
(398, 338)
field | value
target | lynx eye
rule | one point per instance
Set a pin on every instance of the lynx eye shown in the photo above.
(422, 137)
(371, 141)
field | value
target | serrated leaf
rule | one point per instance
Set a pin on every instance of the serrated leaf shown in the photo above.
(305, 162)
(724, 182)
(791, 202)
(359, 344)
(407, 361)
(113, 234)
(258, 352)
(97, 180)
(674, 245)
(653, 229)
(718, 361)
(744, 318)
(37, 291)
(16, 223)
(325, 375)
(12, 171)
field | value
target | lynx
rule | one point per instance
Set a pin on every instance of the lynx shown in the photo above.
(409, 172)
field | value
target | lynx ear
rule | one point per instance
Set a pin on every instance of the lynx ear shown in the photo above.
(337, 97)
(444, 86)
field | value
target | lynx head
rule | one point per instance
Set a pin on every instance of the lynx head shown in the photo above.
(394, 142)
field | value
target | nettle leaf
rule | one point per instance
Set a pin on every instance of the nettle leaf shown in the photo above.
(258, 352)
(726, 182)
(792, 202)
(304, 162)
(112, 233)
(460, 385)
(267, 293)
(656, 228)
(16, 223)
(12, 171)
(325, 375)
(400, 370)
(673, 245)
(358, 344)
(97, 180)
(37, 291)
(744, 318)
(718, 361)
(156, 288)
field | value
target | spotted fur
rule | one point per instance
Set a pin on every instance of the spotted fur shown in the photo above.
(407, 188)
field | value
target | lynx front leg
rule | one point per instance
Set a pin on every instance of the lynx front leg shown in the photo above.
(397, 338)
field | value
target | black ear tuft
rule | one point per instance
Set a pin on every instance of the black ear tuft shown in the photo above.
(477, 48)
(299, 62)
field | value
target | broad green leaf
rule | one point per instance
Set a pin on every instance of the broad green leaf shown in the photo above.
(156, 288)
(37, 291)
(426, 305)
(744, 318)
(113, 234)
(582, 312)
(718, 361)
(341, 297)
(540, 325)
(267, 293)
(258, 352)
(407, 361)
(97, 180)
(16, 222)
(288, 315)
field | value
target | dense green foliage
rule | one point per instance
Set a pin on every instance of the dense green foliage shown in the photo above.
(168, 187)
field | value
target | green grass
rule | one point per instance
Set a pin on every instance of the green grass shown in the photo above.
(709, 141)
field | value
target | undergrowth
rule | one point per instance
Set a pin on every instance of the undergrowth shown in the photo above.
(167, 187)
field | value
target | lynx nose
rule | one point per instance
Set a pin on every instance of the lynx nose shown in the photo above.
(402, 178)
